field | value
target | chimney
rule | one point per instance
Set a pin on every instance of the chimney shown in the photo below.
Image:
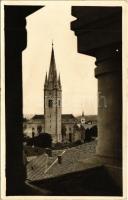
(60, 159)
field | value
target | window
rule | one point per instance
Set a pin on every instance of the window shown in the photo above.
(70, 137)
(50, 103)
(59, 102)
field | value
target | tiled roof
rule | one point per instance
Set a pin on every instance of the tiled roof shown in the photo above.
(88, 117)
(71, 162)
(38, 117)
(91, 117)
(66, 118)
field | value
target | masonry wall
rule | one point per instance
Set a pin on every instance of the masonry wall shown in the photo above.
(53, 114)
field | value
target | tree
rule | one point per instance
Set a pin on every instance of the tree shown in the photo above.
(43, 140)
(87, 135)
(94, 131)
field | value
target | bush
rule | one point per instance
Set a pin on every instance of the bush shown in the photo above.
(28, 140)
(94, 131)
(59, 145)
(78, 142)
(43, 140)
(88, 136)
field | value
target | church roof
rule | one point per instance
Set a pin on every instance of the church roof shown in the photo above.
(88, 117)
(66, 118)
(38, 117)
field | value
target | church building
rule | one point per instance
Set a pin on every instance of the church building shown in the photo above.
(62, 127)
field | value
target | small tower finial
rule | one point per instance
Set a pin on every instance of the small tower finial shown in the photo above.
(52, 43)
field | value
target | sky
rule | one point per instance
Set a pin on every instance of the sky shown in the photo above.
(79, 86)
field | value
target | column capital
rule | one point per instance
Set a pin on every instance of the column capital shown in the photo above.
(96, 27)
(15, 26)
(108, 59)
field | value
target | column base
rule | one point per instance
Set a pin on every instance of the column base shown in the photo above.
(113, 167)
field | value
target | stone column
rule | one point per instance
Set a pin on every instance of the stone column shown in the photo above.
(109, 75)
(99, 34)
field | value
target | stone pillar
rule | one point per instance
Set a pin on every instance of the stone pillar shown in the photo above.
(109, 75)
(15, 43)
(99, 34)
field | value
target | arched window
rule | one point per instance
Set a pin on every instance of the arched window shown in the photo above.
(50, 103)
(59, 102)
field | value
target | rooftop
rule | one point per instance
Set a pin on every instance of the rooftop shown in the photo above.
(71, 161)
(66, 118)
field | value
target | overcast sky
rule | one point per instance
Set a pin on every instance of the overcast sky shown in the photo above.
(79, 86)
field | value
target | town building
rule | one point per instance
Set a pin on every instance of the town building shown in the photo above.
(70, 131)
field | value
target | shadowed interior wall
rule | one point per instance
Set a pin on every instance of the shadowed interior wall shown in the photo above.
(15, 43)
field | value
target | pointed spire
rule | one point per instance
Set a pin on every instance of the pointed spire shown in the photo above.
(82, 113)
(59, 81)
(52, 71)
(52, 81)
(46, 80)
(46, 77)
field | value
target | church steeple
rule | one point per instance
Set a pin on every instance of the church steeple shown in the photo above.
(46, 81)
(59, 81)
(52, 76)
(51, 81)
(53, 102)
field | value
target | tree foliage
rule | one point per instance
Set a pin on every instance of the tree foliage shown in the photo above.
(42, 140)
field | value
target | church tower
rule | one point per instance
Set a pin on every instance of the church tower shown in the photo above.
(53, 102)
